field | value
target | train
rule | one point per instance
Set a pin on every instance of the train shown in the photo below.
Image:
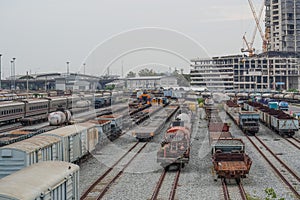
(279, 121)
(30, 111)
(248, 121)
(228, 153)
(44, 180)
(175, 148)
(69, 143)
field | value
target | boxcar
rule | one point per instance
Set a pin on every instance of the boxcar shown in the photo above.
(46, 180)
(75, 140)
(21, 154)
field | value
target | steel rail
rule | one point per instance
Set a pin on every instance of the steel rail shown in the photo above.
(100, 196)
(274, 168)
(158, 185)
(85, 194)
(278, 159)
(174, 186)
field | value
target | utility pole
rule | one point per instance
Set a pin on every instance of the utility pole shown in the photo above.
(27, 84)
(14, 73)
(11, 75)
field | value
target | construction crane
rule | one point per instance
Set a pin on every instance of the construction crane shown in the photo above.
(265, 42)
(250, 49)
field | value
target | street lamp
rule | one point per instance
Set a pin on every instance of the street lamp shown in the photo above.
(84, 68)
(68, 68)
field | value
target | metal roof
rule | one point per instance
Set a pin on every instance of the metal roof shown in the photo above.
(32, 144)
(10, 103)
(30, 182)
(67, 130)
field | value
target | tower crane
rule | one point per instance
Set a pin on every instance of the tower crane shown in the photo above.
(250, 49)
(265, 42)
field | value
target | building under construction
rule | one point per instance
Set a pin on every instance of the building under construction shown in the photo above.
(263, 72)
(282, 24)
(275, 69)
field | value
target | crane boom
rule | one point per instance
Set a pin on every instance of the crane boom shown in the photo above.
(258, 26)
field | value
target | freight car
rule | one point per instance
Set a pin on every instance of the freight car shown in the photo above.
(45, 180)
(59, 117)
(248, 121)
(68, 143)
(228, 154)
(151, 127)
(229, 158)
(279, 121)
(175, 148)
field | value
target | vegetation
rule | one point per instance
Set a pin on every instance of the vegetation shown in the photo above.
(271, 195)
(147, 72)
(131, 74)
(109, 87)
(293, 90)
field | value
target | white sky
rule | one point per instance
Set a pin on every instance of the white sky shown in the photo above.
(44, 34)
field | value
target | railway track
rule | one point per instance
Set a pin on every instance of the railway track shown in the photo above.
(235, 192)
(287, 175)
(166, 176)
(7, 128)
(99, 188)
(293, 141)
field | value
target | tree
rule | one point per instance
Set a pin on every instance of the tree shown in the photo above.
(147, 72)
(131, 74)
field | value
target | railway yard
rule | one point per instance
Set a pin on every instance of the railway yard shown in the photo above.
(218, 151)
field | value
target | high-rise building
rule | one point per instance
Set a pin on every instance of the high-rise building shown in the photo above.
(263, 72)
(282, 24)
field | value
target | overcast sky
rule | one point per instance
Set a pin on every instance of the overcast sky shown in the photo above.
(44, 34)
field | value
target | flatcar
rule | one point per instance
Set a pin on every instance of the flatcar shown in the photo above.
(228, 154)
(44, 180)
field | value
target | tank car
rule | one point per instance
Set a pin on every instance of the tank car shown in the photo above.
(59, 117)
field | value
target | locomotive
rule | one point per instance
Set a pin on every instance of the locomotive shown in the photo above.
(175, 148)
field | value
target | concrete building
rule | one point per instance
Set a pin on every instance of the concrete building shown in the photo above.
(263, 72)
(282, 24)
(151, 82)
(215, 74)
